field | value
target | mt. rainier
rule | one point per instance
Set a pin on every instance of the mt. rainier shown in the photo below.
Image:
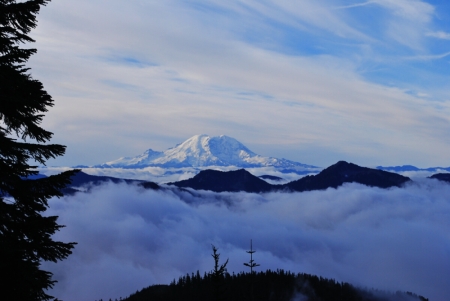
(203, 151)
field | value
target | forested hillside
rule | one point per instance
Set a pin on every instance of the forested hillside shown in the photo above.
(264, 286)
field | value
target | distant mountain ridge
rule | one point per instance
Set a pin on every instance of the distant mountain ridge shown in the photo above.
(87, 182)
(202, 151)
(441, 177)
(331, 177)
(405, 168)
(344, 172)
(243, 181)
(221, 181)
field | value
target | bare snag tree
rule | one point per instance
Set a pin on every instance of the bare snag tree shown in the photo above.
(217, 275)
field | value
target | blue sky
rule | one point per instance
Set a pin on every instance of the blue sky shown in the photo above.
(313, 81)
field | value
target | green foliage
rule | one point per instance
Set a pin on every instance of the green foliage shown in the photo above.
(25, 234)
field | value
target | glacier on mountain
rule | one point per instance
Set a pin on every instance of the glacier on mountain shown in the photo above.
(202, 151)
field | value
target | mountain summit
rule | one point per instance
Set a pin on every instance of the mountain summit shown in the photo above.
(202, 151)
(332, 177)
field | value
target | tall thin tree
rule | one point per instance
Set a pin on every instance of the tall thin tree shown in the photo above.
(25, 234)
(251, 264)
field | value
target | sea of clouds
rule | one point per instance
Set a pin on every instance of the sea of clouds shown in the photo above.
(129, 238)
(167, 175)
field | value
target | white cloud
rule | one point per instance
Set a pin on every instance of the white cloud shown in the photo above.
(319, 14)
(396, 239)
(414, 10)
(167, 175)
(439, 34)
(410, 22)
(429, 57)
(355, 5)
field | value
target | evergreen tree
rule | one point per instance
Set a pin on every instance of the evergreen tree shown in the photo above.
(25, 234)
(218, 275)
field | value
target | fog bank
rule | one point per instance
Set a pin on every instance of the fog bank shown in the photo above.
(129, 238)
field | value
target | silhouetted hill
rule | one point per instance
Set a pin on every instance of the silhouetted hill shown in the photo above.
(35, 177)
(399, 168)
(441, 177)
(82, 179)
(405, 168)
(219, 181)
(269, 177)
(267, 286)
(331, 177)
(343, 172)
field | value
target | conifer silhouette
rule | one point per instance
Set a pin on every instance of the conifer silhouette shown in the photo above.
(25, 234)
(218, 275)
(251, 264)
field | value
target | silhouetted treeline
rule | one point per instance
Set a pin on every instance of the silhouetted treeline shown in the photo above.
(267, 286)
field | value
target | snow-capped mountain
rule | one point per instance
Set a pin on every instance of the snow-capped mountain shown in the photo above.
(202, 151)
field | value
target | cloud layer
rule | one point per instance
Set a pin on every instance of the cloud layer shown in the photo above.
(128, 238)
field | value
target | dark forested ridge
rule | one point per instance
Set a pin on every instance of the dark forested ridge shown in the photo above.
(220, 181)
(83, 179)
(242, 180)
(267, 286)
(441, 177)
(270, 177)
(344, 172)
(331, 177)
(86, 181)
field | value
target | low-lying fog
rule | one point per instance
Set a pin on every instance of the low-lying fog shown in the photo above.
(129, 238)
(166, 175)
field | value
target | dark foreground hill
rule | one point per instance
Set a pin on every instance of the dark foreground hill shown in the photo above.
(269, 177)
(441, 177)
(331, 177)
(267, 286)
(343, 172)
(220, 181)
(86, 181)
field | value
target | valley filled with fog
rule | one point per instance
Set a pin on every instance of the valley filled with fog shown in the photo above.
(129, 238)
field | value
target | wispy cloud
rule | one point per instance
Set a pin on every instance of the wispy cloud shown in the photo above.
(415, 10)
(428, 57)
(439, 34)
(355, 5)
(409, 22)
(180, 68)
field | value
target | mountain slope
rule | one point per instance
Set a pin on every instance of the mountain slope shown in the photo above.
(82, 181)
(270, 285)
(201, 151)
(220, 181)
(441, 177)
(405, 168)
(331, 177)
(343, 172)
